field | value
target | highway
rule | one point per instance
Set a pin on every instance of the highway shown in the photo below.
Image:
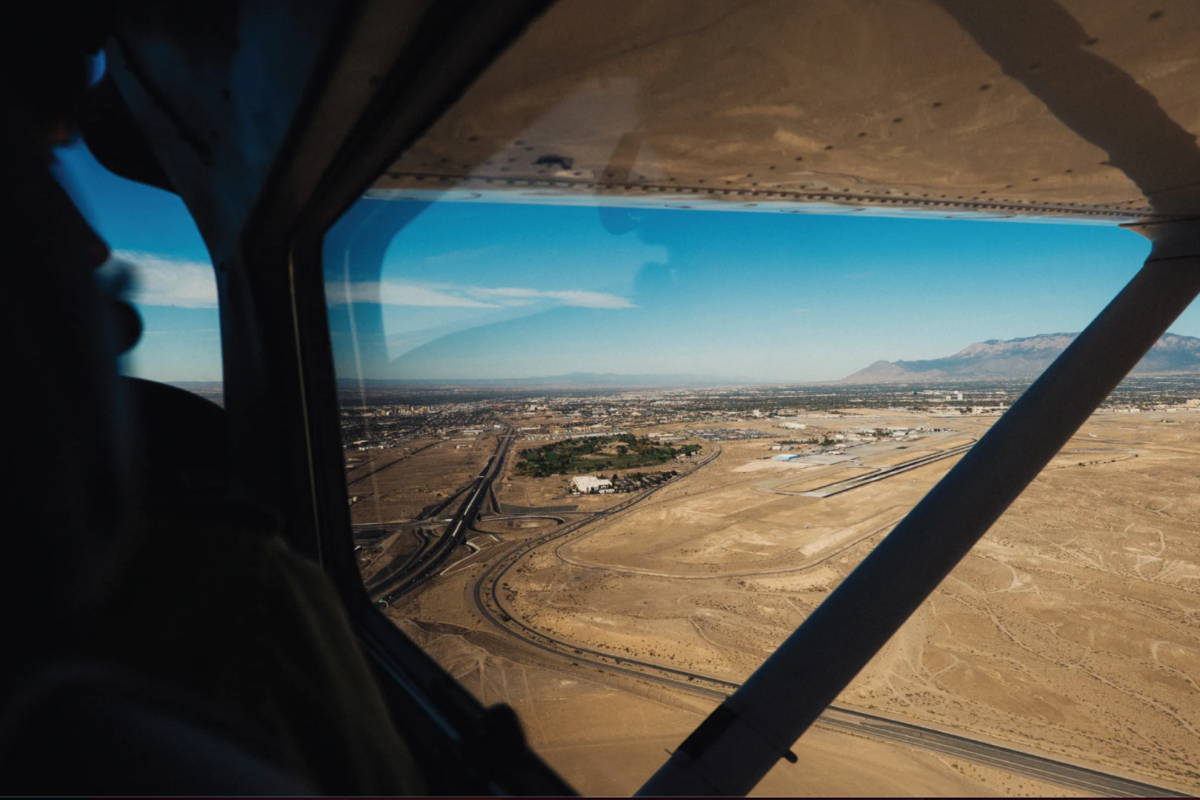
(429, 561)
(488, 599)
(1092, 781)
(505, 517)
(397, 566)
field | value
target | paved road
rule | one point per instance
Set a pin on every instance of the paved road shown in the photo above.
(505, 517)
(489, 601)
(1091, 781)
(429, 562)
(397, 566)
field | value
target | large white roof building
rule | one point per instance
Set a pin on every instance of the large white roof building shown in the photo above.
(589, 484)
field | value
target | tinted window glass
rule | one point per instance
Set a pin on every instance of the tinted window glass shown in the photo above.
(637, 361)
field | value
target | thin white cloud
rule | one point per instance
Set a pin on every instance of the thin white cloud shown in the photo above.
(513, 296)
(165, 281)
(402, 293)
(392, 293)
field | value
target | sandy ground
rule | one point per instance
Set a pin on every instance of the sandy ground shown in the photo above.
(421, 479)
(1070, 631)
(606, 736)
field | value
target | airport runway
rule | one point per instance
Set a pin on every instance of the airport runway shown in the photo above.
(885, 473)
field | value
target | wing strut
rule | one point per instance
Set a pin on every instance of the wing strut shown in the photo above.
(730, 752)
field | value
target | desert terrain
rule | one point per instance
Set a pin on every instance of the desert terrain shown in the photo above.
(1070, 631)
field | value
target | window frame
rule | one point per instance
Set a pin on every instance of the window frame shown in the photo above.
(268, 152)
(483, 748)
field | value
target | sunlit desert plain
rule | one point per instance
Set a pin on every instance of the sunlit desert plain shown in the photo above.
(1070, 631)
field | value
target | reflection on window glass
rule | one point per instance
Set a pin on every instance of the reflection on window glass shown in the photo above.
(153, 238)
(665, 440)
(628, 387)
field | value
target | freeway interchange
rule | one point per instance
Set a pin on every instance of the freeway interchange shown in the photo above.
(489, 600)
(428, 561)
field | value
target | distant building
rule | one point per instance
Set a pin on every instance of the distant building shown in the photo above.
(590, 484)
(788, 457)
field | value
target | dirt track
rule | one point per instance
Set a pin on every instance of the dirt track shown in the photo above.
(1069, 631)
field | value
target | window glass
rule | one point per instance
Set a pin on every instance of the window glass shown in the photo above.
(153, 238)
(637, 360)
(689, 431)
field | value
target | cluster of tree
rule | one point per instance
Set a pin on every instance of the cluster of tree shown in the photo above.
(589, 454)
(641, 480)
(823, 441)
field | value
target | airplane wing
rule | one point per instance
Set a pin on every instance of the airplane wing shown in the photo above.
(1080, 111)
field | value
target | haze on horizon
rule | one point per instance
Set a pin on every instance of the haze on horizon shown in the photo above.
(488, 291)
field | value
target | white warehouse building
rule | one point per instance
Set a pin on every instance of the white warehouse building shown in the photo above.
(590, 484)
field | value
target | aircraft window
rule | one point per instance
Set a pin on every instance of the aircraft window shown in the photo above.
(634, 367)
(155, 243)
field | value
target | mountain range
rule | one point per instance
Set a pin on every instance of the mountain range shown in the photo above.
(1024, 358)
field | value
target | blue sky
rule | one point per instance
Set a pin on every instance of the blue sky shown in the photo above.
(478, 289)
(174, 286)
(494, 290)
